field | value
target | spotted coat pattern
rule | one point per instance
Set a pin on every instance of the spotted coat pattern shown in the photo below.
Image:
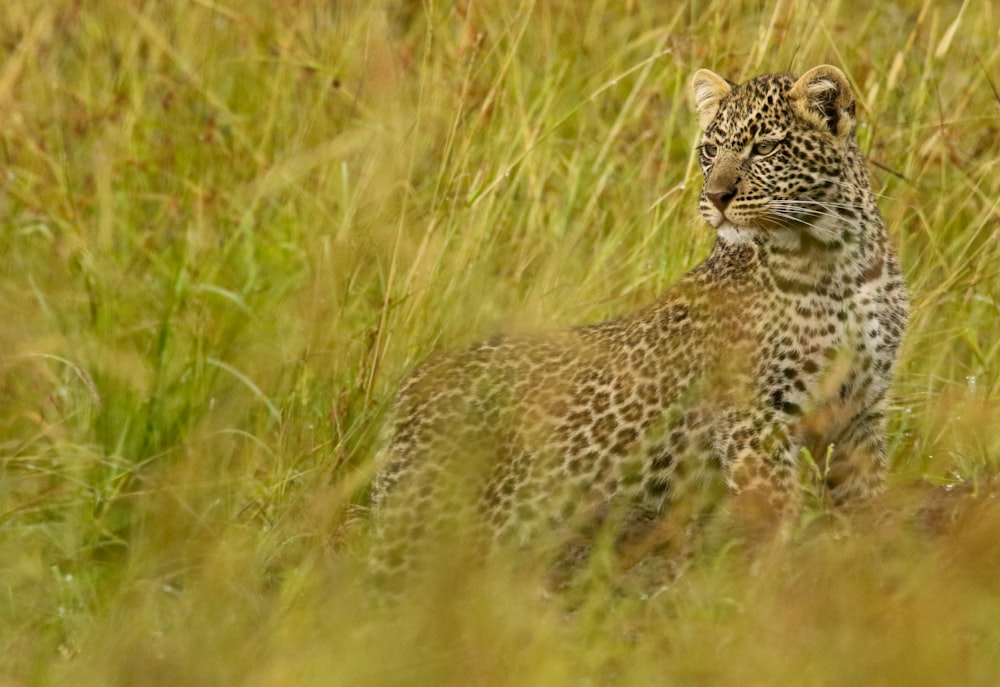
(783, 339)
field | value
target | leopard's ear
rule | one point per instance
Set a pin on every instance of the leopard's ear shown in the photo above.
(709, 90)
(823, 97)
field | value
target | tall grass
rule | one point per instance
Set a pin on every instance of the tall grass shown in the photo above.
(229, 230)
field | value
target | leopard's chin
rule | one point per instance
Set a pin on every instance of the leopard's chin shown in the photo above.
(735, 233)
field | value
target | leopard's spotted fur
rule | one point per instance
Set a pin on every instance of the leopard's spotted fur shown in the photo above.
(784, 338)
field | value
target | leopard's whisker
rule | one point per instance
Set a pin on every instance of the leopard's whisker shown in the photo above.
(819, 203)
(795, 213)
(832, 208)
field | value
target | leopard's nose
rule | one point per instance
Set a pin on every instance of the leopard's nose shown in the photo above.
(720, 199)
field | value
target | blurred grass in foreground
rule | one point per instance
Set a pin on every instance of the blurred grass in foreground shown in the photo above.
(228, 231)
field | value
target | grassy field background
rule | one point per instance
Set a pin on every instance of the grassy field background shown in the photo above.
(228, 230)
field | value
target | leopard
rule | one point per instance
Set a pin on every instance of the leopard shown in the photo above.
(771, 358)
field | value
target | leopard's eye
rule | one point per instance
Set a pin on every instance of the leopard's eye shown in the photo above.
(709, 150)
(765, 148)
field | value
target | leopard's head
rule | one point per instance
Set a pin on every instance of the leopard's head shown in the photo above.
(774, 152)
